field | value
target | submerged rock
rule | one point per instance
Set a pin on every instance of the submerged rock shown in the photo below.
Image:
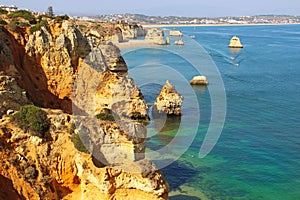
(169, 100)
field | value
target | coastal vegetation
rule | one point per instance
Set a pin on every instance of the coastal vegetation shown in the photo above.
(3, 22)
(34, 119)
(77, 141)
(23, 14)
(106, 115)
(38, 26)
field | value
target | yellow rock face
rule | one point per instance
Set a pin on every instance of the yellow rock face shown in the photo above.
(54, 169)
(235, 43)
(60, 68)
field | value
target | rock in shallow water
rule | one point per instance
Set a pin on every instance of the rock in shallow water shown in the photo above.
(169, 100)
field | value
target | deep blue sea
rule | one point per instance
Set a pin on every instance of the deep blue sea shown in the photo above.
(258, 153)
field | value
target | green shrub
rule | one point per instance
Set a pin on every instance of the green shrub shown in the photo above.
(62, 17)
(3, 12)
(77, 141)
(23, 14)
(38, 26)
(106, 115)
(23, 24)
(34, 119)
(2, 22)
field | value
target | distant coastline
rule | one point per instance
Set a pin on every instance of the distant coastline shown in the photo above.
(191, 25)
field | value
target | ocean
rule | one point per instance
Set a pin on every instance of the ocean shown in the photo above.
(257, 155)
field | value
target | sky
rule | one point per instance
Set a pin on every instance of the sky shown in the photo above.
(191, 8)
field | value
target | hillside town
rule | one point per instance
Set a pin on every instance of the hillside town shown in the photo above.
(143, 19)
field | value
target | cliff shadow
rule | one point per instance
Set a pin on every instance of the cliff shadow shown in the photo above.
(7, 191)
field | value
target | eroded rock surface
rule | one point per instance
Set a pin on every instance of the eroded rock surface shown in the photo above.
(169, 100)
(62, 68)
(155, 35)
(12, 97)
(52, 168)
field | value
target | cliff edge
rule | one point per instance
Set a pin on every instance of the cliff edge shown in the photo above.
(82, 83)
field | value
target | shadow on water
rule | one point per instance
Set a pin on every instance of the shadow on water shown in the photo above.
(183, 197)
(178, 173)
(164, 128)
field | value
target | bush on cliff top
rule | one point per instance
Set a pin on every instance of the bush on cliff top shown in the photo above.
(3, 12)
(61, 18)
(23, 14)
(34, 119)
(2, 22)
(38, 26)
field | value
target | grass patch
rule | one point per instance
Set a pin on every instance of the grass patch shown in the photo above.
(105, 115)
(77, 141)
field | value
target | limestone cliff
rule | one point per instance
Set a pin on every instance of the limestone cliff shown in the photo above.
(49, 62)
(155, 35)
(52, 168)
(12, 97)
(169, 100)
(77, 73)
(131, 31)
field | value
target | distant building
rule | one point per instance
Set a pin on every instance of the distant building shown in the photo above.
(9, 8)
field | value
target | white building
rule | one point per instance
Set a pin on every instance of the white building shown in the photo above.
(9, 8)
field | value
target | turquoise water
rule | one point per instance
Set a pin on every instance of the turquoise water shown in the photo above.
(258, 153)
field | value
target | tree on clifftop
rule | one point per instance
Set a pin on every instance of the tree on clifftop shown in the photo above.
(50, 11)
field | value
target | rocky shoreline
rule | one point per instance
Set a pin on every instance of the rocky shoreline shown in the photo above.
(81, 82)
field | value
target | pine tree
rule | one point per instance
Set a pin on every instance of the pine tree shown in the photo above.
(50, 11)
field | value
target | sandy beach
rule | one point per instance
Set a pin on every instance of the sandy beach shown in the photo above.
(135, 43)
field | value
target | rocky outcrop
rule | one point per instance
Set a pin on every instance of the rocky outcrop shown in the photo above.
(12, 97)
(131, 31)
(176, 33)
(155, 35)
(118, 36)
(53, 168)
(62, 68)
(235, 43)
(179, 42)
(168, 41)
(199, 80)
(48, 65)
(169, 100)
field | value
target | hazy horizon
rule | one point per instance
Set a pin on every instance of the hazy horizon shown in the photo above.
(191, 8)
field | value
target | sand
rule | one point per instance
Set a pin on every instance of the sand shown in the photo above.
(135, 43)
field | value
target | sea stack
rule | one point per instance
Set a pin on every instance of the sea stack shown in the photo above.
(179, 42)
(199, 80)
(176, 33)
(169, 100)
(235, 43)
